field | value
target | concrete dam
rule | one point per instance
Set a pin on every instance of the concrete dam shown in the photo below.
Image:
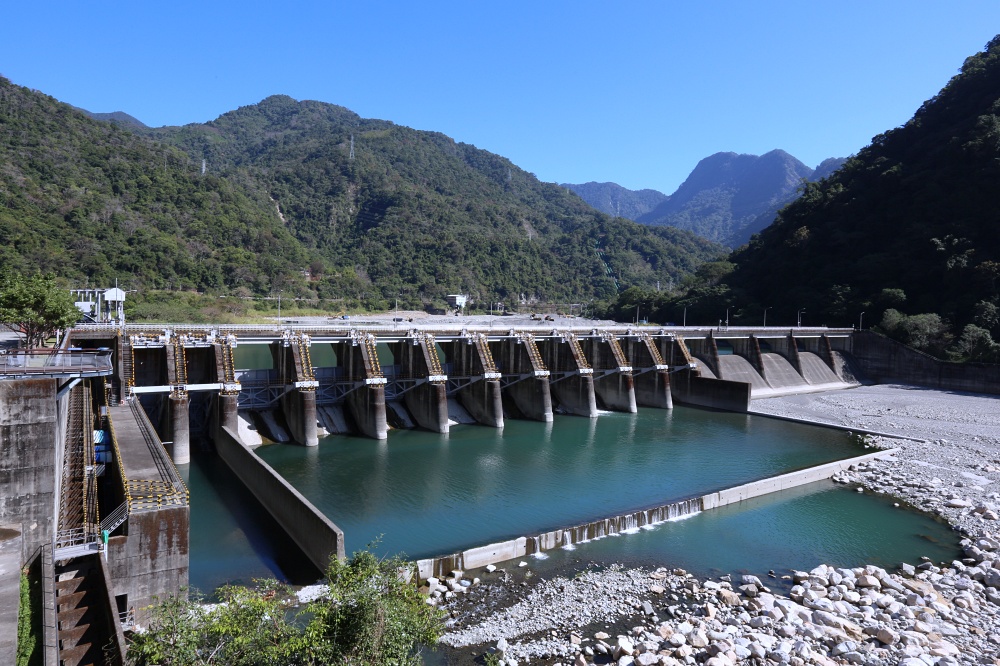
(374, 379)
(101, 513)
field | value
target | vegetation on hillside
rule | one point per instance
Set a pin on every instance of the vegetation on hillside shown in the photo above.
(904, 232)
(284, 207)
(416, 215)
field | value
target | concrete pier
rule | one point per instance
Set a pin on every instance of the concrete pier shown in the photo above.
(526, 379)
(572, 378)
(366, 404)
(613, 382)
(427, 401)
(470, 359)
(180, 428)
(298, 402)
(650, 372)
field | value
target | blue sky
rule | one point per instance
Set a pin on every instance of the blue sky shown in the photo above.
(630, 92)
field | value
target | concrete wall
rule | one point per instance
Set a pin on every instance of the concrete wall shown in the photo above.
(480, 556)
(690, 389)
(784, 481)
(313, 532)
(151, 559)
(28, 457)
(886, 361)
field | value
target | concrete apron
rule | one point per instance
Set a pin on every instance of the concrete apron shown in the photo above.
(481, 556)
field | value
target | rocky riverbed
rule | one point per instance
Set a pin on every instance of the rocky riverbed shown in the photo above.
(924, 614)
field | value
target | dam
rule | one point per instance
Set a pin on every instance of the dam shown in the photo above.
(116, 436)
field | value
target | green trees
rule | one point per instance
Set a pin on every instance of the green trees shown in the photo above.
(36, 307)
(371, 616)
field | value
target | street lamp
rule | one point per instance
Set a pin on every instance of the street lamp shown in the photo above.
(861, 321)
(765, 315)
(685, 320)
(727, 319)
(799, 316)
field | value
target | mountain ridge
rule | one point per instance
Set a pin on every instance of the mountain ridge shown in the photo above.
(726, 198)
(412, 214)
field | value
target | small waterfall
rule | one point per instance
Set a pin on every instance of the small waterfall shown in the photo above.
(536, 545)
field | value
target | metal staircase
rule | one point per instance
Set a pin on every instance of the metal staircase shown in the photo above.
(180, 369)
(78, 519)
(128, 364)
(578, 355)
(433, 360)
(531, 347)
(653, 350)
(624, 365)
(82, 615)
(485, 355)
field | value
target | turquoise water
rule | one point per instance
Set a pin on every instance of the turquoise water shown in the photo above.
(794, 529)
(425, 494)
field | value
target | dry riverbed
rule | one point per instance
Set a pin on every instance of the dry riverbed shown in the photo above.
(923, 614)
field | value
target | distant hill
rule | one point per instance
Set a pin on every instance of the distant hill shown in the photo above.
(727, 192)
(117, 117)
(618, 201)
(285, 205)
(727, 198)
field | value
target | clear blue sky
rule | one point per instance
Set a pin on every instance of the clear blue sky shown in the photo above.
(630, 92)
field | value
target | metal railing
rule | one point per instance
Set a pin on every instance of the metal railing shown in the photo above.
(55, 362)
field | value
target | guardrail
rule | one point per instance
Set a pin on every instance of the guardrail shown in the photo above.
(55, 362)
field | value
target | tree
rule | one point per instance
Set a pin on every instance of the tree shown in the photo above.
(976, 344)
(36, 307)
(371, 615)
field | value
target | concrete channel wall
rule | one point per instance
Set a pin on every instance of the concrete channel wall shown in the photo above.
(312, 531)
(481, 556)
(884, 361)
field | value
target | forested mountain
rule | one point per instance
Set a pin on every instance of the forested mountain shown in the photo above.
(285, 205)
(93, 202)
(727, 192)
(418, 214)
(119, 117)
(616, 200)
(905, 232)
(727, 198)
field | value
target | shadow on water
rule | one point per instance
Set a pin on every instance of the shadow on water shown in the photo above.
(233, 537)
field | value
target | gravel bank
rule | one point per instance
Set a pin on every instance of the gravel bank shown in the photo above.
(925, 614)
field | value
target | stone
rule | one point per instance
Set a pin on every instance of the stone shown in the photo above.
(729, 598)
(624, 646)
(868, 581)
(887, 636)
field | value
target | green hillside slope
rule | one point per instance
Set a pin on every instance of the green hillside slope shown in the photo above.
(916, 212)
(418, 214)
(905, 232)
(92, 202)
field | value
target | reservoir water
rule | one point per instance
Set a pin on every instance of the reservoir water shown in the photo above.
(425, 494)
